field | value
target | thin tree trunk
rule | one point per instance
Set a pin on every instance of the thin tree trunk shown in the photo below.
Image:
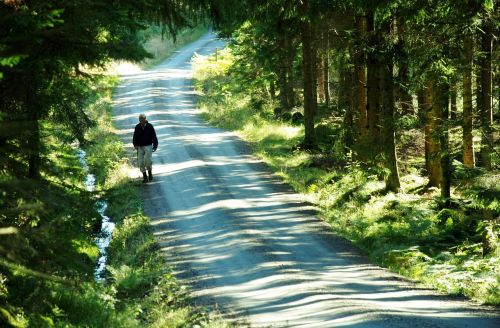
(320, 52)
(285, 79)
(441, 97)
(433, 153)
(360, 68)
(404, 96)
(486, 99)
(468, 144)
(321, 77)
(388, 133)
(421, 106)
(308, 79)
(314, 63)
(343, 89)
(289, 89)
(346, 101)
(326, 71)
(282, 87)
(453, 101)
(373, 86)
(424, 105)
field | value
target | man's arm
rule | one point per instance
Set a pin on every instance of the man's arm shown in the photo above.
(134, 139)
(155, 140)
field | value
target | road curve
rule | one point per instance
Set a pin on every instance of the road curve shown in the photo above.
(245, 242)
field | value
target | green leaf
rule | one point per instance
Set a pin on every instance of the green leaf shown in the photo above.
(10, 61)
(489, 5)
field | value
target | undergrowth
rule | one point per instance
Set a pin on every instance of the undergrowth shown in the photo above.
(454, 249)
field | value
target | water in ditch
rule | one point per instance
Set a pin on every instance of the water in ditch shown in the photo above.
(107, 226)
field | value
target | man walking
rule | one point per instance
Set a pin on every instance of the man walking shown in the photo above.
(145, 142)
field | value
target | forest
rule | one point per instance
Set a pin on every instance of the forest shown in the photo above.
(401, 93)
(384, 113)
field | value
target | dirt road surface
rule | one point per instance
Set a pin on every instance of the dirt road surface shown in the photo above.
(246, 243)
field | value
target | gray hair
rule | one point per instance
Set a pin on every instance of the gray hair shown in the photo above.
(142, 116)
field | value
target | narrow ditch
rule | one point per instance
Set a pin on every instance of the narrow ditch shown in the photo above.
(105, 233)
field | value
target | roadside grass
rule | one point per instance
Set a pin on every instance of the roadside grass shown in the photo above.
(455, 250)
(162, 47)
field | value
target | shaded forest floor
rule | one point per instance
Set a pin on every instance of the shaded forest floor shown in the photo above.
(455, 249)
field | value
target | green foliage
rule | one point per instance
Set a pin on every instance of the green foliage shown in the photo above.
(483, 192)
(45, 59)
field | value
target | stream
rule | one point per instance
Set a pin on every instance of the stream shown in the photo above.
(107, 226)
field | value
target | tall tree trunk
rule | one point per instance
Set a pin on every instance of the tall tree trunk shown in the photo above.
(404, 96)
(326, 64)
(486, 98)
(343, 89)
(468, 144)
(289, 89)
(308, 78)
(282, 79)
(387, 110)
(441, 98)
(421, 106)
(453, 101)
(319, 30)
(284, 107)
(314, 62)
(392, 182)
(321, 77)
(360, 72)
(347, 99)
(424, 108)
(285, 78)
(322, 61)
(373, 78)
(433, 153)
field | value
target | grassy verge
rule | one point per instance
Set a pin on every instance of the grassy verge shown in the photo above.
(455, 250)
(162, 47)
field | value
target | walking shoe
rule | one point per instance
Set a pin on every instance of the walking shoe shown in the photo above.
(150, 175)
(144, 177)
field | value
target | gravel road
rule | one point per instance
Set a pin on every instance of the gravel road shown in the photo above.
(245, 242)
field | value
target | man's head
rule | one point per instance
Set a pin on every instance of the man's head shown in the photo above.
(142, 119)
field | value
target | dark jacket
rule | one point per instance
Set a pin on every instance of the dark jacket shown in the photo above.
(145, 136)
